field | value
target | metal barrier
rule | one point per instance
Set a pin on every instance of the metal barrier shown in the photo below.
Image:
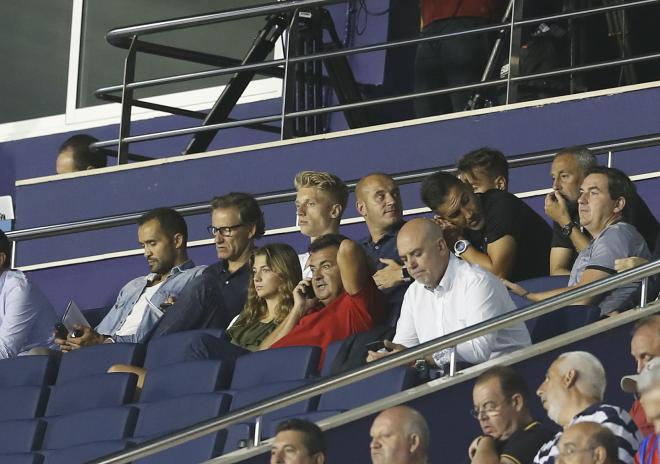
(130, 38)
(404, 357)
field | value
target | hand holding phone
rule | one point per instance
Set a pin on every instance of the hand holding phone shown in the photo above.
(61, 331)
(376, 346)
(308, 292)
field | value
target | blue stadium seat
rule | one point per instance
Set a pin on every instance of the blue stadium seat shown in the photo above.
(563, 320)
(97, 425)
(22, 458)
(156, 419)
(21, 436)
(175, 379)
(171, 349)
(242, 432)
(29, 370)
(330, 355)
(97, 359)
(275, 365)
(83, 453)
(22, 402)
(356, 394)
(91, 392)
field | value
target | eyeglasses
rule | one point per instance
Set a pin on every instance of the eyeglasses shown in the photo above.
(489, 408)
(226, 231)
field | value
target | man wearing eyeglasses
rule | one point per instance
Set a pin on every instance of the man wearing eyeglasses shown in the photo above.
(217, 296)
(587, 443)
(501, 405)
(163, 235)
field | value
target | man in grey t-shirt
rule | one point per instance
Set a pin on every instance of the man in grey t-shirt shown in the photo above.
(604, 194)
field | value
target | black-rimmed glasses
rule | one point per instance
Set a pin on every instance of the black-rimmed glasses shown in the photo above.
(226, 231)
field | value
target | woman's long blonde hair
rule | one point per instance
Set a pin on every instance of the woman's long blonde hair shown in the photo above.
(284, 262)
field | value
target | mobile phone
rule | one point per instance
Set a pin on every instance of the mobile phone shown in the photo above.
(308, 292)
(375, 346)
(77, 333)
(60, 331)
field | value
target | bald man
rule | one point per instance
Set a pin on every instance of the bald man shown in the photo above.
(587, 443)
(378, 201)
(399, 435)
(449, 294)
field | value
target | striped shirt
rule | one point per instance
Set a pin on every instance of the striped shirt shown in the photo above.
(611, 417)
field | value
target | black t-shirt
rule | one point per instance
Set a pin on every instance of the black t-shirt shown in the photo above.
(523, 444)
(506, 214)
(639, 216)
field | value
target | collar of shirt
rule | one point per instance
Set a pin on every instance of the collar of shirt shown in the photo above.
(447, 280)
(389, 234)
(175, 270)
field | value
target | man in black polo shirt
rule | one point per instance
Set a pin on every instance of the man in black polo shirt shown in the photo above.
(569, 168)
(215, 297)
(496, 230)
(501, 405)
(378, 201)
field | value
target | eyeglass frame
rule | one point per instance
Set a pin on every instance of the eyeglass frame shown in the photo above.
(476, 413)
(229, 230)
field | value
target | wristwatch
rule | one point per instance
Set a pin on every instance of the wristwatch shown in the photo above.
(460, 246)
(566, 229)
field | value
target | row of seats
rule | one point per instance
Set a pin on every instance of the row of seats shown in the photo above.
(67, 409)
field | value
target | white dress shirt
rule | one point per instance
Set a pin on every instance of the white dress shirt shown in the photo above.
(466, 295)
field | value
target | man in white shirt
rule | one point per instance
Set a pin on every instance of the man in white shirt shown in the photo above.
(449, 295)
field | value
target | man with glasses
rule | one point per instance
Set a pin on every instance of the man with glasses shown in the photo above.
(572, 392)
(142, 302)
(587, 443)
(217, 296)
(501, 405)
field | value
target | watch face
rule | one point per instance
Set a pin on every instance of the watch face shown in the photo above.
(460, 246)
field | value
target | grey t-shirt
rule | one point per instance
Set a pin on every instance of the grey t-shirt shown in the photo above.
(620, 240)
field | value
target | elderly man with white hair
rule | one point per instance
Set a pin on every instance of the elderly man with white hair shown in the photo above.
(572, 392)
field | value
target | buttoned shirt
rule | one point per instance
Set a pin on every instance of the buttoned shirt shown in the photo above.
(466, 295)
(26, 316)
(130, 294)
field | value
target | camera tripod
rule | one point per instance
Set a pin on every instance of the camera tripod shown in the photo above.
(303, 81)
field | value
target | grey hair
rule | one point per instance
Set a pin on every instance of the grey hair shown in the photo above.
(590, 372)
(417, 424)
(584, 158)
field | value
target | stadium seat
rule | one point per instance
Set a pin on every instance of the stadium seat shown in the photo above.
(171, 349)
(21, 436)
(175, 379)
(275, 365)
(21, 458)
(97, 425)
(159, 418)
(83, 453)
(91, 392)
(97, 359)
(29, 370)
(330, 354)
(563, 320)
(22, 402)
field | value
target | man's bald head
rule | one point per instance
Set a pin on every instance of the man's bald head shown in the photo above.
(587, 443)
(399, 435)
(423, 250)
(378, 200)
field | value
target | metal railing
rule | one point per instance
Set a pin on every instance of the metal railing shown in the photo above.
(527, 159)
(130, 38)
(404, 357)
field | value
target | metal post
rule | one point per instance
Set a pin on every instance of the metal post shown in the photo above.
(644, 292)
(127, 102)
(452, 363)
(514, 61)
(257, 431)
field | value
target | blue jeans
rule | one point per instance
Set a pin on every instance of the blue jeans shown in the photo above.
(449, 63)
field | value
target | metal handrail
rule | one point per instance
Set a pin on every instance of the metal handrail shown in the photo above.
(404, 357)
(408, 177)
(122, 37)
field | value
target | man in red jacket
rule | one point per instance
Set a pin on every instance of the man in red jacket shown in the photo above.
(456, 61)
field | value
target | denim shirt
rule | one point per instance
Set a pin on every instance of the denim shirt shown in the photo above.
(130, 294)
